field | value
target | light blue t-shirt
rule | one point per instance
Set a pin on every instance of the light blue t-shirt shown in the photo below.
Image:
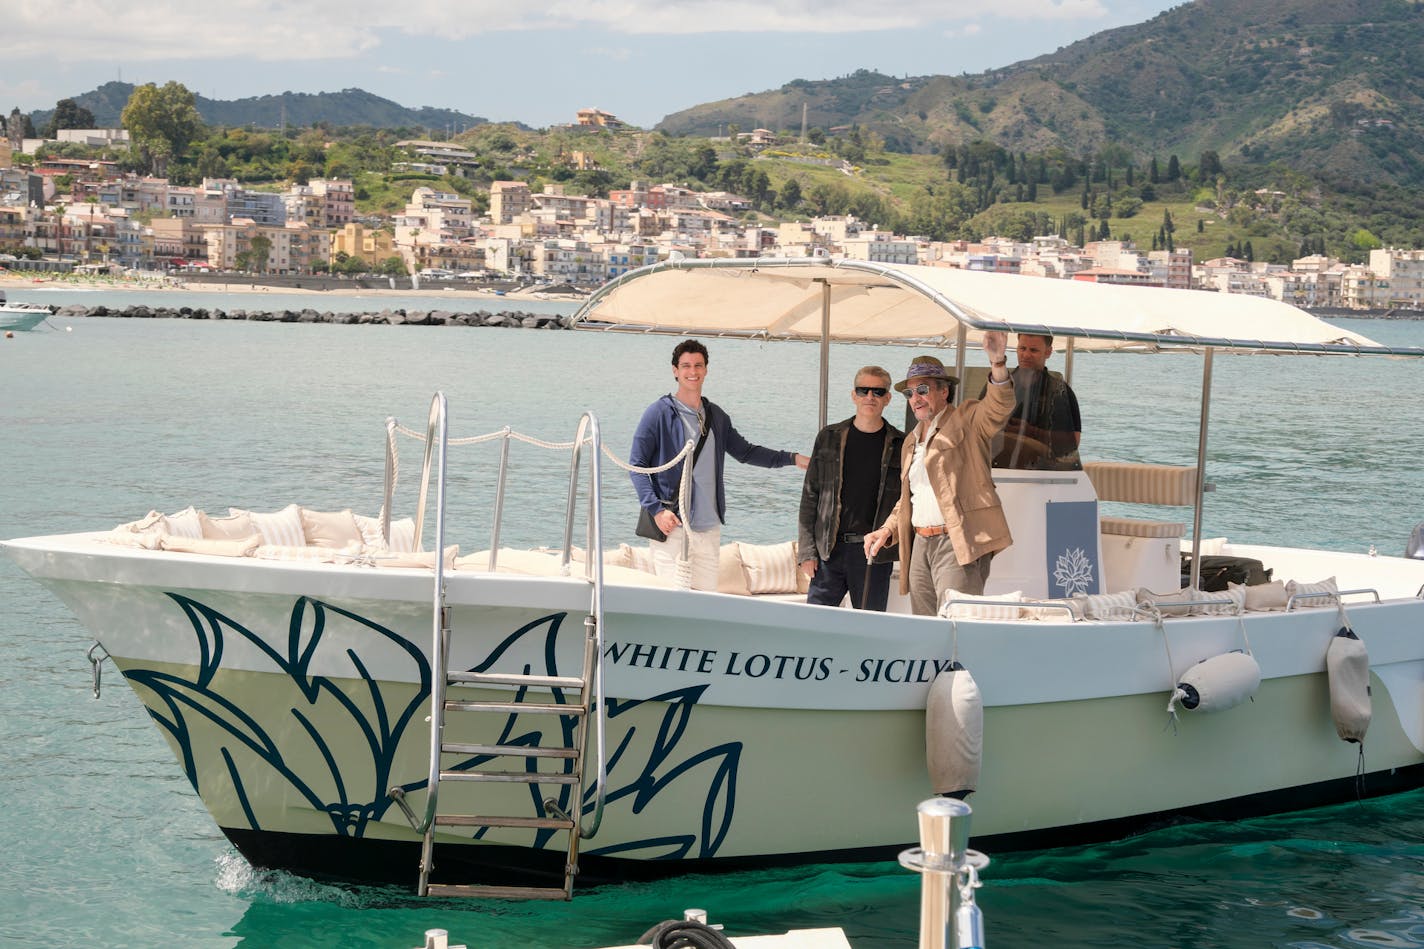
(704, 473)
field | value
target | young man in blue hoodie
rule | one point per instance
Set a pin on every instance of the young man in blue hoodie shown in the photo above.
(694, 533)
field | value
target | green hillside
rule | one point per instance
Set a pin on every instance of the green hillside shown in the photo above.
(348, 107)
(1331, 88)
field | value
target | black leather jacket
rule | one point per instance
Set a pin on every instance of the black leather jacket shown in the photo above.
(820, 514)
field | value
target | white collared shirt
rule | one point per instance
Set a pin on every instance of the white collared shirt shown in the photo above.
(924, 506)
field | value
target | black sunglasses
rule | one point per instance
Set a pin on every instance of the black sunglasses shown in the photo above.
(878, 391)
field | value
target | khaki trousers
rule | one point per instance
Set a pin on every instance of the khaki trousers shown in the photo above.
(935, 570)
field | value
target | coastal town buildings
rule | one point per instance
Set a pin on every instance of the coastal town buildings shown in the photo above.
(102, 217)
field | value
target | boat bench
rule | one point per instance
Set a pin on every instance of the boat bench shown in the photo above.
(762, 570)
(1140, 552)
(295, 533)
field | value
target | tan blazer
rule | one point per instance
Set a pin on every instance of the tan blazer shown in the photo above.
(957, 462)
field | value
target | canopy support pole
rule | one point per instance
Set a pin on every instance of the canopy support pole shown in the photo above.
(1201, 467)
(825, 351)
(1068, 361)
(960, 339)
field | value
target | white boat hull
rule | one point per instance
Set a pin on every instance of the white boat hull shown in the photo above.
(741, 732)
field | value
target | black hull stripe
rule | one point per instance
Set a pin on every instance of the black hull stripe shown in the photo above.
(328, 857)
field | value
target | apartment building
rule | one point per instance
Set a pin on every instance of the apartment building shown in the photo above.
(569, 261)
(338, 196)
(882, 247)
(622, 258)
(372, 245)
(291, 248)
(1362, 289)
(1401, 276)
(509, 200)
(178, 240)
(260, 207)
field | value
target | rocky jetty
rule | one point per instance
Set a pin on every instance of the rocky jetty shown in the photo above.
(390, 317)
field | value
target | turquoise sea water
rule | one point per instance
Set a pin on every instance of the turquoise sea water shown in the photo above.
(105, 844)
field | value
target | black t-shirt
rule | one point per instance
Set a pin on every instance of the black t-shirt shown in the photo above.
(860, 479)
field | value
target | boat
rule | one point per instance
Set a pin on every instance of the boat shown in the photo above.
(362, 702)
(20, 317)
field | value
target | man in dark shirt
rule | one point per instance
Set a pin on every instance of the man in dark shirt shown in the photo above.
(851, 485)
(1046, 426)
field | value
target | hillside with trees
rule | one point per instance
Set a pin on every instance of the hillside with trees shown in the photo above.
(1334, 89)
(348, 107)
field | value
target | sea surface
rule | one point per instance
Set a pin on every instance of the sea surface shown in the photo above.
(103, 842)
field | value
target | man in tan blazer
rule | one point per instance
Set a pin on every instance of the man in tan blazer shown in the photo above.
(949, 522)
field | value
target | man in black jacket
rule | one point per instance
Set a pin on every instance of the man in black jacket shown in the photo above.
(851, 486)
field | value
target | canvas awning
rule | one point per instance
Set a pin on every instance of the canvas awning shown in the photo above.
(834, 299)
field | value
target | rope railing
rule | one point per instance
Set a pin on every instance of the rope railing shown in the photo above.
(684, 574)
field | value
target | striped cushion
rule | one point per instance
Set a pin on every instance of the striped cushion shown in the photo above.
(769, 568)
(1119, 606)
(1142, 483)
(402, 533)
(1136, 527)
(960, 606)
(278, 529)
(1326, 586)
(186, 523)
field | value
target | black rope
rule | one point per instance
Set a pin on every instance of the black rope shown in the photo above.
(684, 934)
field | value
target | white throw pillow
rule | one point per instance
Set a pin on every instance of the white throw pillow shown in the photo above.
(962, 606)
(232, 527)
(1263, 596)
(329, 528)
(279, 528)
(186, 523)
(769, 568)
(402, 533)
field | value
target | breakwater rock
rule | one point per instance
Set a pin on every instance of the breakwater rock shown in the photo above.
(389, 317)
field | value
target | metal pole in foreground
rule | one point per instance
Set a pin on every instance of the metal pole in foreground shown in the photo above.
(949, 870)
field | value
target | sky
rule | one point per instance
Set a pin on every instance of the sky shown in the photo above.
(530, 61)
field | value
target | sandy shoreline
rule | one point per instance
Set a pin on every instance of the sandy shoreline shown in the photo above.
(17, 281)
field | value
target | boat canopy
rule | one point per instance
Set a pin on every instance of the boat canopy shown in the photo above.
(858, 301)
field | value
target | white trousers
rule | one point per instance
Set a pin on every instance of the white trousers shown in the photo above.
(704, 549)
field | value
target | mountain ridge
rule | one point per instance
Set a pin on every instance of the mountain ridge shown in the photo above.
(296, 109)
(1324, 85)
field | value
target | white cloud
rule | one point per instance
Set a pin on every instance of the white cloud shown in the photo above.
(136, 31)
(960, 32)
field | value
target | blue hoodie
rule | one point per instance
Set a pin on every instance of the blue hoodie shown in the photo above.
(661, 435)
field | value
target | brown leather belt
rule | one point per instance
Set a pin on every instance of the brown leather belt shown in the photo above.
(932, 531)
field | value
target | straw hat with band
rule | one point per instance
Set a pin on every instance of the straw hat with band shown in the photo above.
(923, 369)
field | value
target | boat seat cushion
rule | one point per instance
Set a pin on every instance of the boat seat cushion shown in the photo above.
(329, 528)
(1000, 606)
(1322, 593)
(186, 523)
(1108, 606)
(1139, 483)
(212, 546)
(279, 528)
(402, 533)
(1189, 602)
(232, 527)
(1262, 597)
(1138, 527)
(769, 568)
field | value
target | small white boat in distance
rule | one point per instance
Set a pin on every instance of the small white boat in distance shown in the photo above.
(20, 317)
(350, 705)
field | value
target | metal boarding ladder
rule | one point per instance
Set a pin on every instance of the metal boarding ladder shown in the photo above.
(586, 691)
